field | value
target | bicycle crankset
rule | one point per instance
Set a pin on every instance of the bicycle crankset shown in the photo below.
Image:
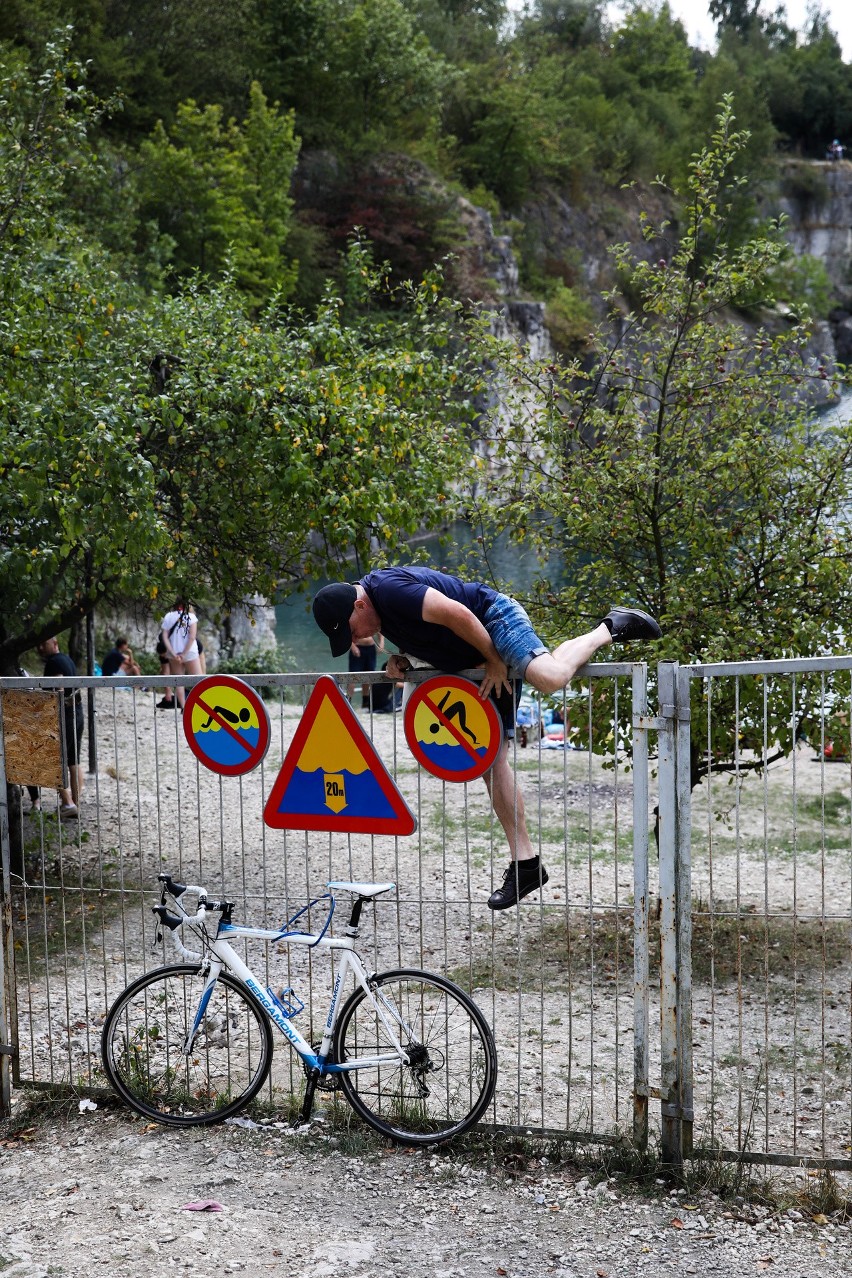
(325, 1082)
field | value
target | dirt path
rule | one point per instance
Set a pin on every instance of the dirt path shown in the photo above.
(99, 1192)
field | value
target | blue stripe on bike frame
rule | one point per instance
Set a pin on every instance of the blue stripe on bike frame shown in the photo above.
(202, 1008)
(328, 1067)
(258, 933)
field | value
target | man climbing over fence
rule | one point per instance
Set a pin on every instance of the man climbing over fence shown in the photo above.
(444, 622)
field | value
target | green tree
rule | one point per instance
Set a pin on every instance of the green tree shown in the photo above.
(741, 16)
(460, 30)
(382, 75)
(222, 193)
(158, 53)
(685, 470)
(809, 91)
(149, 443)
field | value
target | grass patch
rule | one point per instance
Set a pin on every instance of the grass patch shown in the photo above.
(833, 805)
(725, 947)
(809, 842)
(750, 820)
(585, 840)
(60, 906)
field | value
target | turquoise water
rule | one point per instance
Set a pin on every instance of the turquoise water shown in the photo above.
(506, 566)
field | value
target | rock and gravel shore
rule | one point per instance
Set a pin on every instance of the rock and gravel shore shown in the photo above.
(99, 1191)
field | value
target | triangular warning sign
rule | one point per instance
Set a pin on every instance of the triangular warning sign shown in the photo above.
(332, 778)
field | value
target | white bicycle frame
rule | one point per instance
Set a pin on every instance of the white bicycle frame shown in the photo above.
(221, 955)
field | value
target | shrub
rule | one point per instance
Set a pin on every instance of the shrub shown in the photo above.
(806, 186)
(569, 319)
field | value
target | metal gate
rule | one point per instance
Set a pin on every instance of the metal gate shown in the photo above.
(573, 981)
(762, 817)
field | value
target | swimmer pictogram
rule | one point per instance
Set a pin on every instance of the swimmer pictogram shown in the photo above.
(226, 725)
(450, 730)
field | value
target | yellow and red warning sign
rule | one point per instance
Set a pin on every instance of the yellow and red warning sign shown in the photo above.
(226, 725)
(332, 778)
(450, 730)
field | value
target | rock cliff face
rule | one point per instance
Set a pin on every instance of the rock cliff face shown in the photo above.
(237, 635)
(573, 239)
(816, 197)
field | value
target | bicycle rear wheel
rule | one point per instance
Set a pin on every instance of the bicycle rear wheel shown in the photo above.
(451, 1073)
(142, 1047)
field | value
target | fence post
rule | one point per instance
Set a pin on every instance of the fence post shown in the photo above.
(641, 907)
(6, 1045)
(684, 904)
(675, 914)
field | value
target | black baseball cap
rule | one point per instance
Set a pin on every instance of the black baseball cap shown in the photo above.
(332, 609)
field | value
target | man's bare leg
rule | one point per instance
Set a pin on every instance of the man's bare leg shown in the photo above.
(552, 671)
(507, 801)
(525, 873)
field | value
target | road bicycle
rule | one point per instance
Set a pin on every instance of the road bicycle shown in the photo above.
(191, 1043)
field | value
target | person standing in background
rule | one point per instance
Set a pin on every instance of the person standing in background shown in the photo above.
(178, 632)
(120, 660)
(362, 658)
(59, 664)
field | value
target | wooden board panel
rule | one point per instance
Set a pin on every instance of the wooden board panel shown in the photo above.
(32, 735)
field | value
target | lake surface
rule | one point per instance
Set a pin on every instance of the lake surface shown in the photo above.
(507, 567)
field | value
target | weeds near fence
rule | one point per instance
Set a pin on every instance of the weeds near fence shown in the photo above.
(752, 1191)
(60, 904)
(726, 946)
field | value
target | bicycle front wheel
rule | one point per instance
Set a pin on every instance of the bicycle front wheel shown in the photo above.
(144, 1040)
(449, 1078)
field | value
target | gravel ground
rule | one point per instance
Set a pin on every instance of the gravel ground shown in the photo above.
(101, 1192)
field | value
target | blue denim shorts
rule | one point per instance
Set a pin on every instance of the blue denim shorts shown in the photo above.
(512, 634)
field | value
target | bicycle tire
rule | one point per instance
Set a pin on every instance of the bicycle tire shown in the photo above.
(143, 1034)
(450, 1044)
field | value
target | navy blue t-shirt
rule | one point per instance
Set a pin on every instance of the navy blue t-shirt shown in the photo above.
(397, 596)
(60, 665)
(113, 662)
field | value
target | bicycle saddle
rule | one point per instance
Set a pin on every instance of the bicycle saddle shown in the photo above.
(363, 889)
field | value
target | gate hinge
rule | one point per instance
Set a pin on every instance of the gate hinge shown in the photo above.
(651, 723)
(8, 1049)
(668, 1108)
(683, 714)
(645, 1089)
(671, 1109)
(660, 722)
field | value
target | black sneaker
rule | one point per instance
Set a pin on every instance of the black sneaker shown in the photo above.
(166, 705)
(521, 878)
(631, 623)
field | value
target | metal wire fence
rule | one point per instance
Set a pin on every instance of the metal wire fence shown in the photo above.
(735, 946)
(771, 853)
(556, 977)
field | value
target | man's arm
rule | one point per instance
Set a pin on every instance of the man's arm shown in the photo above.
(443, 611)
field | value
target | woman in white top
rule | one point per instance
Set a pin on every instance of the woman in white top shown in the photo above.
(179, 635)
